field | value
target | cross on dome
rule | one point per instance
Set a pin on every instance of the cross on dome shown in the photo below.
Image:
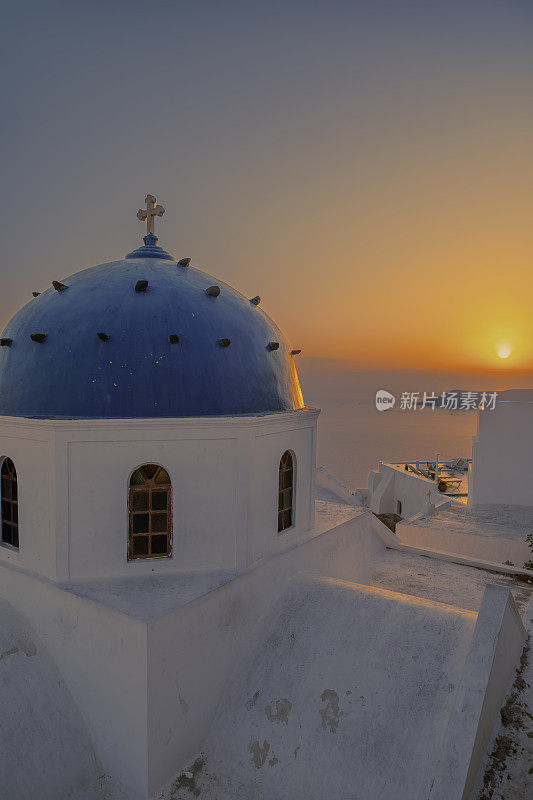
(149, 213)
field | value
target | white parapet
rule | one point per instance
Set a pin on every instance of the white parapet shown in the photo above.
(494, 652)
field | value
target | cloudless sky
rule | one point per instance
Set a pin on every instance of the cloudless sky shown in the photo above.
(366, 167)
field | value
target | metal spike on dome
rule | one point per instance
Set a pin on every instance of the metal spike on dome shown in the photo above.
(141, 286)
(184, 262)
(213, 291)
(6, 342)
(295, 352)
(255, 300)
(224, 342)
(173, 338)
(273, 346)
(103, 336)
(36, 294)
(58, 286)
(38, 337)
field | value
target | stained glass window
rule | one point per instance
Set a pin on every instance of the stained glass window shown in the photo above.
(285, 491)
(150, 520)
(10, 510)
(137, 479)
(162, 476)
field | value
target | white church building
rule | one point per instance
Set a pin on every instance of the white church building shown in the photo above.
(182, 608)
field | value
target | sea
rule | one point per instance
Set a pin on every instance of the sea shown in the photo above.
(353, 436)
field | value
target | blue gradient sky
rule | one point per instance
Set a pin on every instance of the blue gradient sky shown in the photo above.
(365, 167)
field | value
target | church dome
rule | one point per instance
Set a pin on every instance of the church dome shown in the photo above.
(144, 337)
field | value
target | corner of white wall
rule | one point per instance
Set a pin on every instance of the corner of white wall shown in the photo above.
(326, 480)
(496, 645)
(384, 490)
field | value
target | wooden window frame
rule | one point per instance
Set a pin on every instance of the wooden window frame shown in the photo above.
(149, 487)
(10, 503)
(286, 491)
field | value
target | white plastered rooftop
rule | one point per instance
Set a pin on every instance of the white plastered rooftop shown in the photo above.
(146, 597)
(442, 581)
(493, 521)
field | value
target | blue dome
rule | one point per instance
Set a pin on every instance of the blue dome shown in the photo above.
(115, 347)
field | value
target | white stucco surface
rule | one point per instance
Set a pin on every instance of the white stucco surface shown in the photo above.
(333, 512)
(206, 641)
(495, 533)
(492, 658)
(442, 581)
(148, 597)
(501, 452)
(195, 650)
(73, 478)
(507, 770)
(101, 657)
(392, 484)
(147, 658)
(103, 788)
(45, 746)
(151, 649)
(346, 688)
(328, 483)
(29, 447)
(488, 520)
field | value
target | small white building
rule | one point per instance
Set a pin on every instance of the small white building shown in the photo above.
(501, 452)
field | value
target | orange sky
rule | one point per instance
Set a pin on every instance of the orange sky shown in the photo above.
(426, 263)
(365, 168)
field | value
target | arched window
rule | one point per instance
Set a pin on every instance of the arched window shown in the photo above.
(150, 523)
(286, 492)
(10, 506)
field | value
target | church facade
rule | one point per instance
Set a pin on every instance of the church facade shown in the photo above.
(130, 393)
(158, 470)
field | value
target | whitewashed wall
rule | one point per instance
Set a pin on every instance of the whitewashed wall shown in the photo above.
(269, 444)
(489, 669)
(501, 455)
(485, 548)
(31, 449)
(186, 683)
(74, 476)
(204, 503)
(102, 657)
(149, 690)
(391, 485)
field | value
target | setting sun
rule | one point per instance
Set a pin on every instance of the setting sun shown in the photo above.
(504, 350)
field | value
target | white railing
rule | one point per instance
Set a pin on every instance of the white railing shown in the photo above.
(452, 471)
